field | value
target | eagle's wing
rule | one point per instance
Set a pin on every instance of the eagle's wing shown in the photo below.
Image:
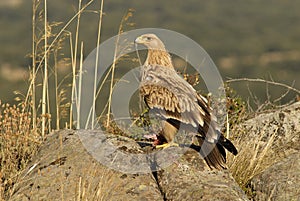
(173, 98)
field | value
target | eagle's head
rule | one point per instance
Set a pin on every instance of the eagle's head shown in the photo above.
(151, 41)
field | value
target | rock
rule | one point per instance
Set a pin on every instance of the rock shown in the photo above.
(281, 181)
(190, 179)
(64, 169)
(264, 142)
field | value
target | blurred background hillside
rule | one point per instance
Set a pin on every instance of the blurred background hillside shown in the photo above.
(253, 39)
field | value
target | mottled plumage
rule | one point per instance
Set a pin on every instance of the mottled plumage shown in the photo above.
(178, 104)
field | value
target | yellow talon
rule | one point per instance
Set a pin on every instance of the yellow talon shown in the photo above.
(166, 145)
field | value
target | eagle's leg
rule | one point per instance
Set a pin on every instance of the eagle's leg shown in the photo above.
(166, 145)
(168, 133)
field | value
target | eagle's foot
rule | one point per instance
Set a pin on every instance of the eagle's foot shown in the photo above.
(166, 145)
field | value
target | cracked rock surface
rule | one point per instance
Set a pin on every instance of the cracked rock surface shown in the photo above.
(89, 165)
(67, 169)
(269, 158)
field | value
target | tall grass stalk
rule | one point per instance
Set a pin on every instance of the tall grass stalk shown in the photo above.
(113, 73)
(62, 30)
(45, 82)
(80, 86)
(74, 64)
(33, 75)
(111, 70)
(56, 90)
(96, 63)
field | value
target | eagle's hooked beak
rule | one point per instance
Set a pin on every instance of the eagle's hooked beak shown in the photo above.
(139, 40)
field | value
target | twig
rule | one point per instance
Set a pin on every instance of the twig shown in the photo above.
(283, 95)
(264, 81)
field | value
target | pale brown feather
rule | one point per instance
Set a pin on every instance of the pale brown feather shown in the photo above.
(159, 57)
(172, 97)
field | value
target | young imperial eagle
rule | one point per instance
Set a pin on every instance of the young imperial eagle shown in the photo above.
(178, 104)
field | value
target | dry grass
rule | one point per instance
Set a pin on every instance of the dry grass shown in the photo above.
(98, 188)
(254, 158)
(258, 143)
(257, 154)
(24, 127)
(18, 143)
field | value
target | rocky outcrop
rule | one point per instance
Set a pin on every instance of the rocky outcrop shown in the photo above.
(280, 181)
(64, 169)
(89, 165)
(268, 159)
(189, 179)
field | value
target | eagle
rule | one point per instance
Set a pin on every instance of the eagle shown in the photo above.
(178, 105)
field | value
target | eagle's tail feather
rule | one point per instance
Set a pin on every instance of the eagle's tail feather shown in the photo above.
(214, 154)
(227, 144)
